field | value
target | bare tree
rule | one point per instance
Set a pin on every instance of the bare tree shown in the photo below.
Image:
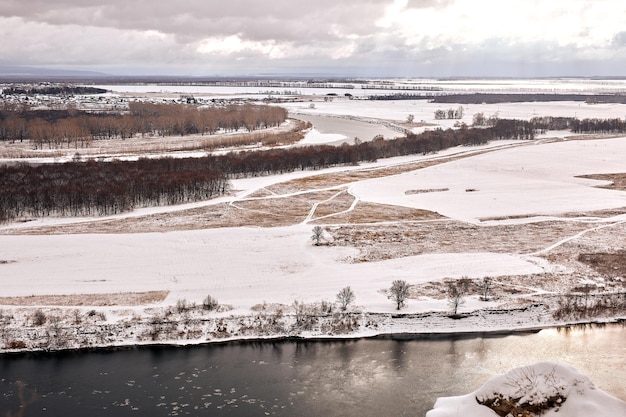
(345, 297)
(210, 303)
(456, 292)
(318, 235)
(478, 119)
(399, 292)
(485, 287)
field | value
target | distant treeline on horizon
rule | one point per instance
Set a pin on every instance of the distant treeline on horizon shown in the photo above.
(498, 98)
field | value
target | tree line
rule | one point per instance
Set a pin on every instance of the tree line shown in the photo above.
(56, 90)
(494, 98)
(104, 188)
(576, 125)
(72, 128)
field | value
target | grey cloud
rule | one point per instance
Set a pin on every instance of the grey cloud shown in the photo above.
(619, 39)
(256, 20)
(94, 32)
(423, 4)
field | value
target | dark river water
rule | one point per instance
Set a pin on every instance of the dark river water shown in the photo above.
(371, 377)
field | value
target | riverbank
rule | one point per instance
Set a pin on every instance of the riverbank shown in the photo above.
(194, 326)
(364, 377)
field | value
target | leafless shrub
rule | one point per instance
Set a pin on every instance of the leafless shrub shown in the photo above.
(39, 317)
(96, 315)
(16, 344)
(58, 337)
(532, 393)
(577, 306)
(77, 316)
(181, 305)
(210, 303)
(326, 307)
(305, 316)
(485, 287)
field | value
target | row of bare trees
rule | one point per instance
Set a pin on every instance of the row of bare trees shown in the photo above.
(76, 129)
(103, 188)
(600, 126)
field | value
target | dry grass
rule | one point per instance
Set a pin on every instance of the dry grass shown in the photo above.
(618, 181)
(145, 145)
(369, 213)
(95, 300)
(608, 264)
(344, 178)
(386, 241)
(339, 202)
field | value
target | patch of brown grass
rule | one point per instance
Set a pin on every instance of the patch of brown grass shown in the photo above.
(618, 180)
(607, 264)
(386, 241)
(338, 203)
(365, 212)
(96, 300)
(287, 133)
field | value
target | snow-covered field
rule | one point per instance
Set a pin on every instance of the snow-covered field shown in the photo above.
(538, 179)
(263, 276)
(423, 110)
(247, 266)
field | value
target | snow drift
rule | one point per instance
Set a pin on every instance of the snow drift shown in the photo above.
(546, 389)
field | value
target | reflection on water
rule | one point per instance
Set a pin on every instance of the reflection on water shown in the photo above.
(345, 378)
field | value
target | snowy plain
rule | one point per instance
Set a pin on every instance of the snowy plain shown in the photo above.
(247, 266)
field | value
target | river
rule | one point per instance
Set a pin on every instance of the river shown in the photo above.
(368, 377)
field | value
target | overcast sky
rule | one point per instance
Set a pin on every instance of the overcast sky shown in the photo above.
(416, 38)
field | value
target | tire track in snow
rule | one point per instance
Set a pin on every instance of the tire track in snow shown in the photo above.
(349, 209)
(577, 235)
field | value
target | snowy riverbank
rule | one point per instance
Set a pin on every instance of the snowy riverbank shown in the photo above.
(77, 329)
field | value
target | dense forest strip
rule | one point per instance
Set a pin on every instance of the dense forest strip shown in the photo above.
(58, 90)
(104, 188)
(497, 98)
(575, 125)
(55, 129)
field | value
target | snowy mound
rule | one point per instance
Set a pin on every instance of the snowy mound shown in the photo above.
(546, 389)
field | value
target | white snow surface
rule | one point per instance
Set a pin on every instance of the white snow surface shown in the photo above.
(423, 110)
(535, 384)
(538, 179)
(239, 266)
(247, 266)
